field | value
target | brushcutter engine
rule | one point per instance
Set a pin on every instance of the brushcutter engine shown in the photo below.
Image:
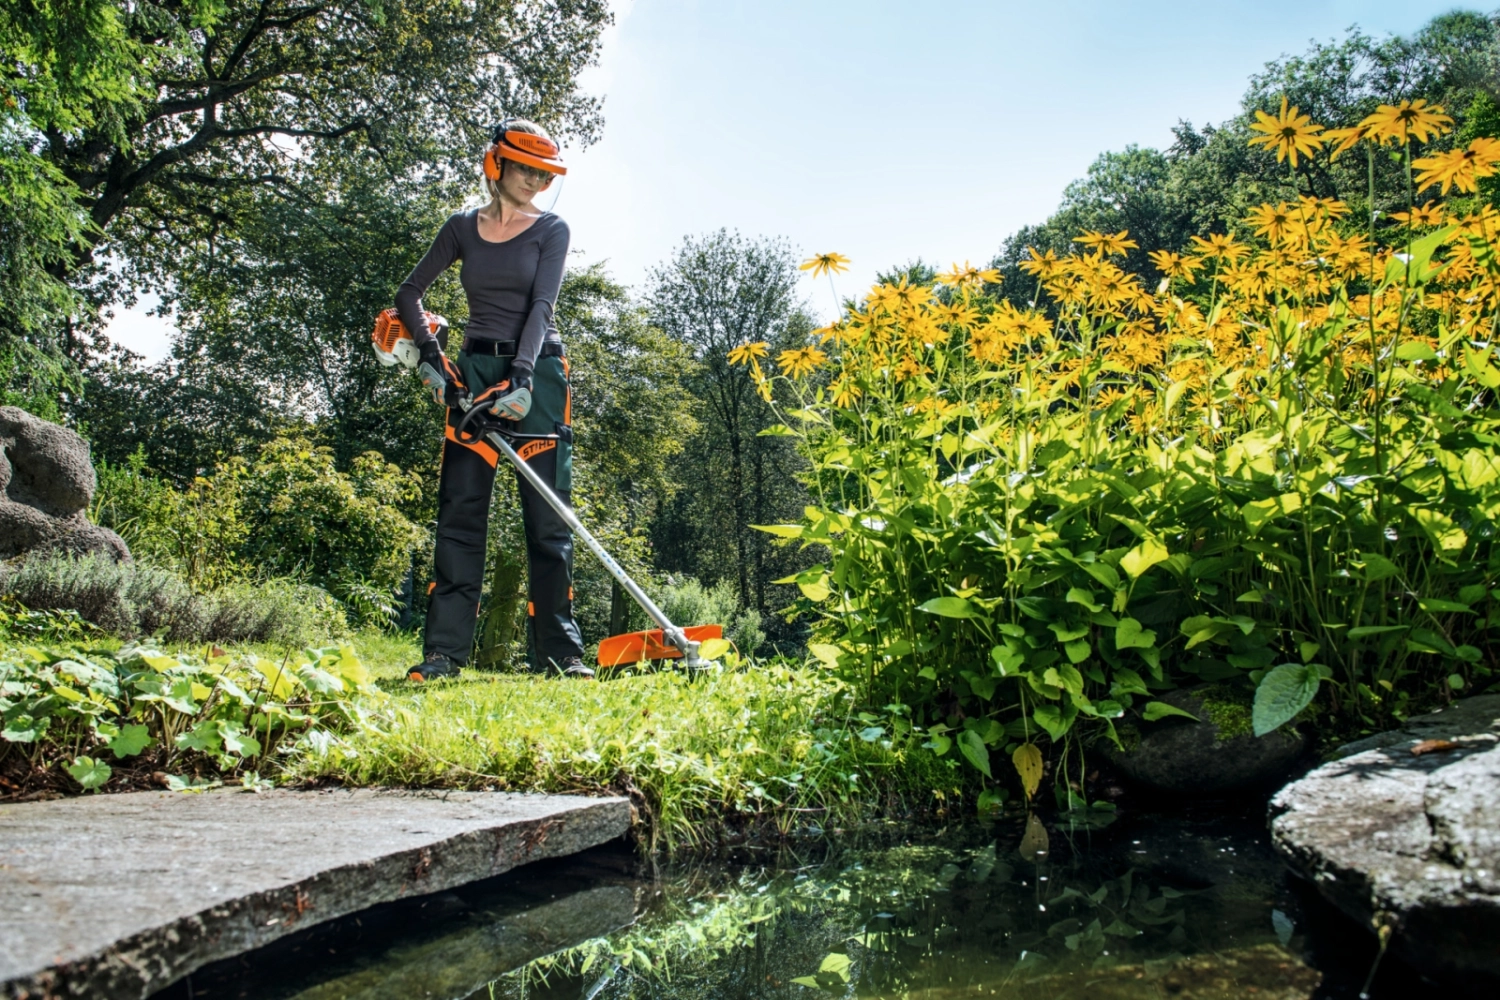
(392, 340)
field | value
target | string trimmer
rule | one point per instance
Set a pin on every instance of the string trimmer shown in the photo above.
(483, 418)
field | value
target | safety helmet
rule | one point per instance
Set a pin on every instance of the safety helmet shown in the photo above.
(522, 147)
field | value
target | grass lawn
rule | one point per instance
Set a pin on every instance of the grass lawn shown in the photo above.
(772, 745)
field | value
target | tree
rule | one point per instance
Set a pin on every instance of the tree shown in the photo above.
(717, 292)
(244, 94)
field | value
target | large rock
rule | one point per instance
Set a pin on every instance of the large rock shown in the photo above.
(46, 483)
(1410, 840)
(1218, 755)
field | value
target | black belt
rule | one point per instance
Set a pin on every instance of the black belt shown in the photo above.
(507, 348)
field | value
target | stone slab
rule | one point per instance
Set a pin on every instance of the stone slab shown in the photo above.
(1410, 841)
(121, 895)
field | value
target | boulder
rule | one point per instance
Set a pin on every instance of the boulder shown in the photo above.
(1217, 755)
(1404, 833)
(46, 483)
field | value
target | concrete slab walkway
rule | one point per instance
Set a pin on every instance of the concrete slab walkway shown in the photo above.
(121, 895)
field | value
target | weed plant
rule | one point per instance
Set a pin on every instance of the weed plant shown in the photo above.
(1275, 470)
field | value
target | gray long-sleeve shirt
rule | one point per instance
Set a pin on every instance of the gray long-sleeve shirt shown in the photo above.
(511, 287)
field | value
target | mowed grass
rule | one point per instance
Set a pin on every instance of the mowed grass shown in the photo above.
(772, 747)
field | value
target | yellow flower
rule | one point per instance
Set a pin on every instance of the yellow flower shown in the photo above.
(747, 353)
(799, 361)
(845, 391)
(1460, 168)
(909, 295)
(1407, 120)
(1219, 246)
(1348, 138)
(1174, 265)
(967, 275)
(1107, 244)
(909, 368)
(1271, 221)
(1041, 265)
(825, 263)
(1289, 133)
(1430, 214)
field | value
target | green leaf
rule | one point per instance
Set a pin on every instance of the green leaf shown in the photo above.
(1123, 680)
(950, 607)
(712, 649)
(1367, 630)
(1283, 692)
(203, 737)
(1378, 567)
(89, 773)
(991, 801)
(131, 741)
(1056, 720)
(1156, 710)
(939, 744)
(1130, 635)
(236, 740)
(1077, 595)
(1141, 558)
(1078, 651)
(1415, 350)
(1434, 604)
(975, 752)
(836, 963)
(780, 530)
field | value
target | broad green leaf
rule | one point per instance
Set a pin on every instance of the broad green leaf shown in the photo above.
(1157, 710)
(1130, 635)
(836, 963)
(940, 744)
(1077, 595)
(712, 649)
(203, 737)
(1123, 680)
(991, 801)
(975, 752)
(1283, 692)
(130, 741)
(1141, 558)
(1007, 660)
(237, 741)
(1056, 720)
(1378, 567)
(90, 773)
(950, 607)
(1258, 512)
(1078, 651)
(815, 591)
(1028, 762)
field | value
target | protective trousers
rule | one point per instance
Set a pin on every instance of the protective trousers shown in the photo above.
(465, 485)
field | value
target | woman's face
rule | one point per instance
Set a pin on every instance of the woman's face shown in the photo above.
(521, 183)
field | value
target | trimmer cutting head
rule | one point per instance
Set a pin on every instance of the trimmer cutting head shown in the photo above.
(652, 644)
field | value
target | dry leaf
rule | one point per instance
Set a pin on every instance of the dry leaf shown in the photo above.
(1433, 746)
(1028, 762)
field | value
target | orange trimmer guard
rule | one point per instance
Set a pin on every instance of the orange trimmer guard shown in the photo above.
(633, 647)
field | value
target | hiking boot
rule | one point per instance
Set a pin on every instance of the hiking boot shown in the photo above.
(436, 665)
(572, 666)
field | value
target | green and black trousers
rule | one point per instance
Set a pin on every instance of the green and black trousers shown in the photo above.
(465, 485)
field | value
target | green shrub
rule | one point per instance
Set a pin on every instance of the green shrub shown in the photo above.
(133, 599)
(689, 602)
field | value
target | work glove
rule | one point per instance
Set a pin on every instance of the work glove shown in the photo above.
(438, 375)
(514, 401)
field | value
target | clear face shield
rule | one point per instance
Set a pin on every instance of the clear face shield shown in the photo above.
(542, 186)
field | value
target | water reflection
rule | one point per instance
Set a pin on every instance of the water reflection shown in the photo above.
(1166, 908)
(1171, 911)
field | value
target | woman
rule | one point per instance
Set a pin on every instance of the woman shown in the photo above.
(512, 256)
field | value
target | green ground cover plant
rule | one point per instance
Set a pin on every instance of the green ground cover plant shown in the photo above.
(185, 720)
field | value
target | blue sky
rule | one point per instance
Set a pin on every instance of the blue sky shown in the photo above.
(889, 130)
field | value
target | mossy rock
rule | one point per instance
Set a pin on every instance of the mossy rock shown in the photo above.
(1218, 755)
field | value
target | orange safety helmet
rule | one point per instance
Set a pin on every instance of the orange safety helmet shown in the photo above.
(523, 147)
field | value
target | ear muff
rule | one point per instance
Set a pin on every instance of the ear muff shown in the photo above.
(491, 164)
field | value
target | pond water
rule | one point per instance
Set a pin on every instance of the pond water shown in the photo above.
(1181, 905)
